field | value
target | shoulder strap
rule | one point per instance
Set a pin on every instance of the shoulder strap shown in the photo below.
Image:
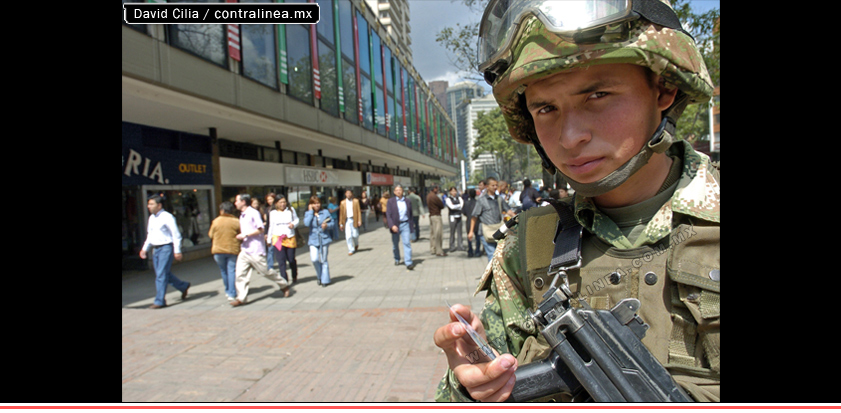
(540, 259)
(567, 252)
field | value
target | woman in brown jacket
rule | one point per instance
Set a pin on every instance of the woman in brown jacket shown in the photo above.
(383, 202)
(225, 245)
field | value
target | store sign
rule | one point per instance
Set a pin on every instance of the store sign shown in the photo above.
(149, 166)
(307, 176)
(376, 179)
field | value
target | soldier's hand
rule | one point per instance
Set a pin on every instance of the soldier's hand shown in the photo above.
(484, 381)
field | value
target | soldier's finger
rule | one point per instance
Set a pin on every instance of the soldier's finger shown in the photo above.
(446, 335)
(485, 373)
(501, 394)
(469, 316)
(482, 387)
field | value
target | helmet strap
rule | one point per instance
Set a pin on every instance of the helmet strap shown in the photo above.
(662, 139)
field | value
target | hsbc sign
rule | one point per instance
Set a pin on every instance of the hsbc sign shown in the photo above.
(321, 177)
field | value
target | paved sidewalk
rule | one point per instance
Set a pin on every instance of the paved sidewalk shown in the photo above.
(365, 338)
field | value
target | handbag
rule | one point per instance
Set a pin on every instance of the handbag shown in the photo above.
(488, 230)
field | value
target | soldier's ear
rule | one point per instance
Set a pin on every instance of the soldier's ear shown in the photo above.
(665, 94)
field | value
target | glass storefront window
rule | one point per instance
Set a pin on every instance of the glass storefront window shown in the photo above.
(365, 73)
(329, 82)
(300, 62)
(204, 40)
(377, 71)
(259, 60)
(349, 87)
(348, 61)
(327, 59)
(193, 211)
(346, 28)
(298, 197)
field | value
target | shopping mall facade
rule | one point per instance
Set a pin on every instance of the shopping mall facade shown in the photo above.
(211, 111)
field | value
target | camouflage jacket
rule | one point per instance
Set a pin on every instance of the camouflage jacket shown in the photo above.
(504, 315)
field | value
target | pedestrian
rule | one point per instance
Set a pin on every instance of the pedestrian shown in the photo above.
(399, 218)
(163, 237)
(529, 197)
(350, 219)
(321, 225)
(375, 205)
(417, 211)
(605, 121)
(225, 246)
(252, 254)
(257, 205)
(383, 202)
(467, 210)
(333, 208)
(454, 206)
(489, 210)
(365, 207)
(436, 225)
(480, 188)
(562, 193)
(282, 240)
(504, 191)
(265, 211)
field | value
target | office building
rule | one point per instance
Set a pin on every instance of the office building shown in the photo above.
(211, 111)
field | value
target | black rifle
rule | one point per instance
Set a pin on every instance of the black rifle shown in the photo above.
(596, 355)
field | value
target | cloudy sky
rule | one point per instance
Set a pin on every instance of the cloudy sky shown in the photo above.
(428, 17)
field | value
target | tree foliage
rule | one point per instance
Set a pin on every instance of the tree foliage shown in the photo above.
(511, 161)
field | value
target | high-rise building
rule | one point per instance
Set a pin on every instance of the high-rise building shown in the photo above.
(483, 104)
(394, 16)
(439, 90)
(459, 97)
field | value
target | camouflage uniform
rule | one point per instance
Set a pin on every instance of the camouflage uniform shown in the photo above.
(688, 304)
(672, 266)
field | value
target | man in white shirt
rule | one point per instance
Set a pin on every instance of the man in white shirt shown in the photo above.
(163, 236)
(455, 204)
(350, 218)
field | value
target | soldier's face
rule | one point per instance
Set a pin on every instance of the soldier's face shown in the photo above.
(593, 120)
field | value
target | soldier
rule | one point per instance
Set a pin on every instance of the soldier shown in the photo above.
(598, 101)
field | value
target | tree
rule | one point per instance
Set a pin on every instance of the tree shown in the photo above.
(511, 161)
(694, 123)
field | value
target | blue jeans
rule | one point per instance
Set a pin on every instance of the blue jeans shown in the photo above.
(270, 250)
(318, 256)
(490, 247)
(416, 221)
(228, 266)
(405, 235)
(162, 260)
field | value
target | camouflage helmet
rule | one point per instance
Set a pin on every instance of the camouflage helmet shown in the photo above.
(539, 53)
